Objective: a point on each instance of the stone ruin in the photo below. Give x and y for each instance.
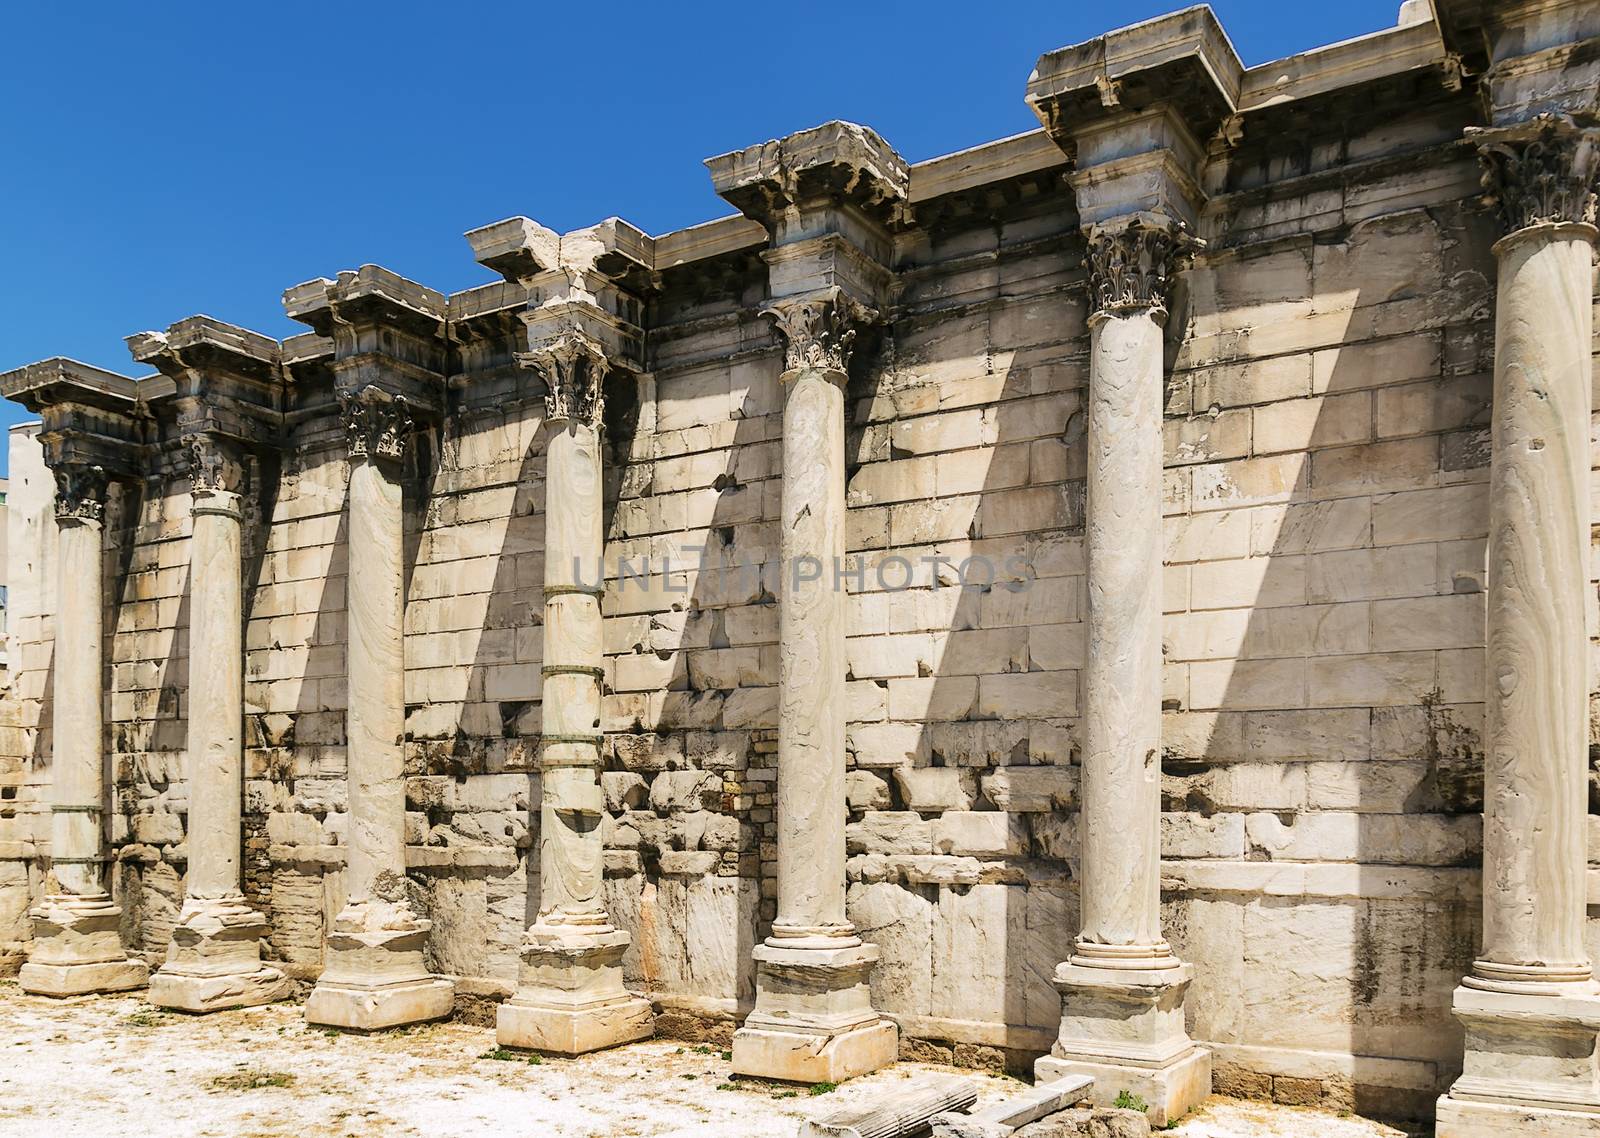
(1114, 601)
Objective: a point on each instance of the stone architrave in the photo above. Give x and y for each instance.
(77, 947)
(1531, 1005)
(571, 999)
(1122, 990)
(214, 959)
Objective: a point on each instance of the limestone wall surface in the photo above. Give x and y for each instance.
(1326, 511)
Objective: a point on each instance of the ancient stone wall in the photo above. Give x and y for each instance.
(1326, 459)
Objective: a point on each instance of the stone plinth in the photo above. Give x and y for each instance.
(214, 960)
(813, 1021)
(77, 949)
(570, 999)
(376, 976)
(1124, 1029)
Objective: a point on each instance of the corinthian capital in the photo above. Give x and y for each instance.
(1540, 172)
(214, 465)
(819, 329)
(377, 424)
(80, 492)
(574, 367)
(1131, 265)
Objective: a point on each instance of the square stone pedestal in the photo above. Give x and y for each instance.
(1125, 1029)
(571, 1000)
(813, 1021)
(214, 960)
(377, 979)
(1531, 1065)
(77, 949)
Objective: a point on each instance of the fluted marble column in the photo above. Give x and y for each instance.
(1530, 1005)
(375, 975)
(1123, 989)
(570, 999)
(214, 959)
(813, 1020)
(76, 944)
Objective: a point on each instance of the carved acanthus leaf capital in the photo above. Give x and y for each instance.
(1540, 172)
(1131, 266)
(377, 424)
(215, 465)
(819, 329)
(80, 492)
(574, 367)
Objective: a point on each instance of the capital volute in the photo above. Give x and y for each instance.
(377, 424)
(80, 492)
(819, 330)
(1132, 263)
(574, 368)
(1542, 172)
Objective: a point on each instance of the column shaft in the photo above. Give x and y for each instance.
(570, 997)
(376, 974)
(811, 663)
(376, 726)
(77, 784)
(214, 958)
(216, 699)
(570, 852)
(77, 945)
(1536, 755)
(1121, 789)
(1123, 990)
(813, 1020)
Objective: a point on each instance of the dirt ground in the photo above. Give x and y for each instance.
(112, 1065)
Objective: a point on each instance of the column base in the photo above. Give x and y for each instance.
(571, 1000)
(77, 949)
(813, 1021)
(214, 960)
(1460, 1119)
(1530, 1064)
(376, 977)
(1125, 1028)
(1168, 1092)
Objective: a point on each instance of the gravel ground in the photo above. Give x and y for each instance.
(112, 1065)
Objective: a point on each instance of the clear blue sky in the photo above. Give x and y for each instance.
(162, 159)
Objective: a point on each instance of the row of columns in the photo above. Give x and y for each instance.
(1530, 1004)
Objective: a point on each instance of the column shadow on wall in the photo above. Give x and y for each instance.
(971, 926)
(704, 636)
(496, 729)
(1324, 684)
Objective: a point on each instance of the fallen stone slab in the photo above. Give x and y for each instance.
(1099, 1122)
(901, 1112)
(1004, 1117)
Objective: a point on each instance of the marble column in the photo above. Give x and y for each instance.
(76, 946)
(1123, 989)
(376, 975)
(813, 1020)
(1530, 1005)
(214, 959)
(570, 998)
